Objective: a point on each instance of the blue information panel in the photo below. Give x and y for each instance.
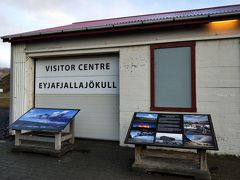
(44, 119)
(193, 131)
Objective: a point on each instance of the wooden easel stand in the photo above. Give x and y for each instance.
(172, 162)
(47, 137)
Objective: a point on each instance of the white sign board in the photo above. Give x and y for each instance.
(90, 75)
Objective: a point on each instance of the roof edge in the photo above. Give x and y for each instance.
(138, 23)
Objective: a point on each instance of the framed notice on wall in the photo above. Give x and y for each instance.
(194, 131)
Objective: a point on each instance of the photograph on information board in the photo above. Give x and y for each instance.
(137, 136)
(196, 125)
(169, 139)
(204, 141)
(144, 125)
(145, 117)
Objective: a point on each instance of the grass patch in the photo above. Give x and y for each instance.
(4, 100)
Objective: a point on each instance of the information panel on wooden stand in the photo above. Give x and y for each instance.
(44, 125)
(194, 131)
(44, 119)
(189, 131)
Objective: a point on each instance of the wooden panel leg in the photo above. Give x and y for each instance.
(58, 141)
(202, 159)
(17, 138)
(138, 151)
(72, 132)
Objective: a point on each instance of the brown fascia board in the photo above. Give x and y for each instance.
(128, 27)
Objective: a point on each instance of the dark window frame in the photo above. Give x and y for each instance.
(190, 44)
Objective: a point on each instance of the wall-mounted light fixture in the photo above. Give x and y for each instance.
(224, 25)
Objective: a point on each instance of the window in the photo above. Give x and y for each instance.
(173, 77)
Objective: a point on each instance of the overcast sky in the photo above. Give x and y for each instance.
(26, 15)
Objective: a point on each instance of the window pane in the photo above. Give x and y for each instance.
(173, 77)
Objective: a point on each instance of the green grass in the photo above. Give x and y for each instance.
(5, 94)
(4, 100)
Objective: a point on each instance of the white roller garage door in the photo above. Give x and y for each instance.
(88, 83)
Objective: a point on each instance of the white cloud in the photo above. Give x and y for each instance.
(4, 55)
(57, 17)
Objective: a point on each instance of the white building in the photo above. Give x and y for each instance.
(177, 62)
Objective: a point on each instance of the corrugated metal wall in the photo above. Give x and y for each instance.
(21, 82)
(99, 115)
(18, 81)
(98, 118)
